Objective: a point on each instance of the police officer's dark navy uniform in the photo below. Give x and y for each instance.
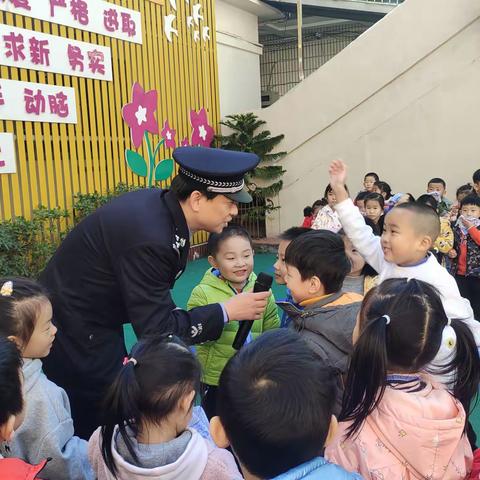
(118, 266)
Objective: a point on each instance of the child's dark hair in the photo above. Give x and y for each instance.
(429, 201)
(216, 239)
(407, 344)
(361, 196)
(372, 174)
(470, 200)
(476, 176)
(376, 197)
(467, 188)
(319, 203)
(148, 388)
(293, 232)
(20, 309)
(307, 211)
(320, 253)
(329, 189)
(275, 401)
(438, 180)
(11, 399)
(385, 188)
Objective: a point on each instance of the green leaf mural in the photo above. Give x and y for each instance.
(164, 169)
(136, 162)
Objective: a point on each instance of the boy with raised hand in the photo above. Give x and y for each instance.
(275, 406)
(402, 251)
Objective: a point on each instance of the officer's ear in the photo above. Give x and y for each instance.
(195, 199)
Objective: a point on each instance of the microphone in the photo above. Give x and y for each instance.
(262, 284)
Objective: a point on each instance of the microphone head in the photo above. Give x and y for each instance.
(265, 279)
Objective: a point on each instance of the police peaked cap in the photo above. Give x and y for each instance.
(216, 170)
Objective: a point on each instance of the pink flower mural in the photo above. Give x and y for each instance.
(168, 134)
(185, 142)
(203, 132)
(139, 114)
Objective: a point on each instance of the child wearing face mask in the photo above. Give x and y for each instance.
(230, 255)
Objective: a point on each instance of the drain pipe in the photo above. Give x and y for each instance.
(301, 74)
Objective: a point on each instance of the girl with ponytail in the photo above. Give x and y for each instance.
(147, 412)
(396, 422)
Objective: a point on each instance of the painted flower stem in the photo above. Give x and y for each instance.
(151, 161)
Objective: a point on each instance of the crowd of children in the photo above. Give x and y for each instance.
(368, 368)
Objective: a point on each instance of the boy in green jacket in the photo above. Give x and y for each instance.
(231, 257)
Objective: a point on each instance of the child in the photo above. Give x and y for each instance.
(309, 213)
(47, 430)
(466, 252)
(476, 181)
(374, 208)
(362, 277)
(11, 411)
(462, 192)
(384, 189)
(147, 411)
(317, 265)
(230, 254)
(360, 202)
(403, 250)
(396, 423)
(279, 266)
(369, 181)
(444, 204)
(327, 218)
(275, 405)
(444, 242)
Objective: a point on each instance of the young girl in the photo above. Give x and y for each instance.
(374, 208)
(47, 430)
(384, 189)
(362, 277)
(327, 217)
(147, 412)
(230, 255)
(395, 422)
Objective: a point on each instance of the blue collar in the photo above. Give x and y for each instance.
(421, 262)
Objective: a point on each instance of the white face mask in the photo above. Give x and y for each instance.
(475, 221)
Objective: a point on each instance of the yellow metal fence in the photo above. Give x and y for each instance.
(57, 161)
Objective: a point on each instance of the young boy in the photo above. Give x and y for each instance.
(11, 411)
(317, 265)
(476, 181)
(279, 266)
(275, 406)
(409, 233)
(230, 254)
(465, 253)
(444, 204)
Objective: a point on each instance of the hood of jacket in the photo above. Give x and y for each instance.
(430, 421)
(32, 371)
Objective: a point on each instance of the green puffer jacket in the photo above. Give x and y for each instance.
(214, 355)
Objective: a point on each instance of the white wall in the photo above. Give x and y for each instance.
(402, 100)
(238, 59)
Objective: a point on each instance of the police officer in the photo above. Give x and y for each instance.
(120, 263)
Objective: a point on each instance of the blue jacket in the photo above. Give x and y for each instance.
(318, 469)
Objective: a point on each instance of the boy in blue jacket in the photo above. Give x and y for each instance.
(275, 405)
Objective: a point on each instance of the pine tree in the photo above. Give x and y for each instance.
(265, 181)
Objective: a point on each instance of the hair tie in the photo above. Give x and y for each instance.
(128, 360)
(387, 319)
(7, 289)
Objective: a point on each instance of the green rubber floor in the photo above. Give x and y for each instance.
(263, 263)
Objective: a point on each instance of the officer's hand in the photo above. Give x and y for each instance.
(246, 306)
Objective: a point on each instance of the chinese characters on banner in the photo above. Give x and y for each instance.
(37, 102)
(96, 16)
(48, 53)
(7, 153)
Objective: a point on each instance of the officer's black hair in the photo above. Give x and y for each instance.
(470, 200)
(216, 239)
(438, 180)
(275, 401)
(11, 399)
(293, 232)
(320, 253)
(183, 188)
(20, 309)
(408, 344)
(147, 389)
